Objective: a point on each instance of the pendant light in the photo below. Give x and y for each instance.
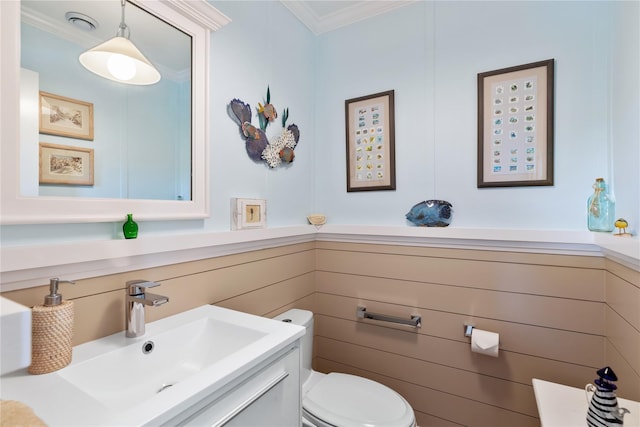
(118, 59)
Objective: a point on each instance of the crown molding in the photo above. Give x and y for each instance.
(357, 11)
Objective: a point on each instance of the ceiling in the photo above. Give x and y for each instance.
(163, 44)
(321, 16)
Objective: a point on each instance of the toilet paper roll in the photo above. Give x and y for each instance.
(485, 342)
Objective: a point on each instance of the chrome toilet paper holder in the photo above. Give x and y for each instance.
(468, 329)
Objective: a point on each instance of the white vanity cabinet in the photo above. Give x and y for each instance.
(210, 366)
(267, 395)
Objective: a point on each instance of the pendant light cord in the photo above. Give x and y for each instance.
(122, 28)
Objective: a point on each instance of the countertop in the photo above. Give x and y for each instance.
(59, 403)
(563, 406)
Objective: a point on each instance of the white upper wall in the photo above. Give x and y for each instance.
(430, 53)
(625, 109)
(263, 45)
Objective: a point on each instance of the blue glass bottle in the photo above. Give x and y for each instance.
(601, 208)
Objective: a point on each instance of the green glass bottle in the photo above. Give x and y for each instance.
(130, 228)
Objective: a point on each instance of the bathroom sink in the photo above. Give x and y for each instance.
(182, 362)
(124, 377)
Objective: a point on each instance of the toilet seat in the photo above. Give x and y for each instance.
(350, 401)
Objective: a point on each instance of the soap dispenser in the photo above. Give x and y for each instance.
(51, 331)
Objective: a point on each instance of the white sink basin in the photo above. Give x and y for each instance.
(127, 376)
(111, 381)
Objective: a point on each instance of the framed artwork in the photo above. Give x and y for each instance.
(61, 164)
(248, 213)
(515, 126)
(370, 128)
(65, 116)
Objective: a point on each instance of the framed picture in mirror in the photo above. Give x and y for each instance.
(62, 164)
(65, 116)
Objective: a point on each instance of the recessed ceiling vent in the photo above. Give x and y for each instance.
(81, 21)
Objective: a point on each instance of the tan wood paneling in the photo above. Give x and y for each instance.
(624, 337)
(99, 302)
(437, 404)
(556, 281)
(624, 298)
(227, 282)
(428, 420)
(625, 273)
(509, 365)
(553, 344)
(524, 308)
(628, 378)
(549, 311)
(218, 262)
(101, 284)
(623, 328)
(268, 299)
(554, 318)
(459, 382)
(97, 316)
(471, 254)
(306, 303)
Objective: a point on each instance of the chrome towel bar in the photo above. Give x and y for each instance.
(415, 321)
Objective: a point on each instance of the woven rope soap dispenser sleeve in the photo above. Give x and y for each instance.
(51, 337)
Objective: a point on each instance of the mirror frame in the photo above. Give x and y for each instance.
(197, 19)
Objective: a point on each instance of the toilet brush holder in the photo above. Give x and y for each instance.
(51, 337)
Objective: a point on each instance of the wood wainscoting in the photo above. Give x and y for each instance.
(622, 351)
(548, 309)
(263, 282)
(560, 317)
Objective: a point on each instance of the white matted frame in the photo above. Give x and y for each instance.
(248, 213)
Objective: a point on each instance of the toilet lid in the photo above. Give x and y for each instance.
(349, 401)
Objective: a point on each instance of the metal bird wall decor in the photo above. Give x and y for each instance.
(431, 213)
(280, 150)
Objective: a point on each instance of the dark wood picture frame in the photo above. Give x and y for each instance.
(516, 126)
(370, 137)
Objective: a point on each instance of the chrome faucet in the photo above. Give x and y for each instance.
(136, 299)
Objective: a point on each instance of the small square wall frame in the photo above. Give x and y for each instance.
(248, 213)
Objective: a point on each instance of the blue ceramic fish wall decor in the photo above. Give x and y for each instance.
(431, 213)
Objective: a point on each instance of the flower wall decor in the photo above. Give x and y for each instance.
(280, 150)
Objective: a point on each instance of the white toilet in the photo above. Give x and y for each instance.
(342, 400)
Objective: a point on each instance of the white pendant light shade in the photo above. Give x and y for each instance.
(120, 60)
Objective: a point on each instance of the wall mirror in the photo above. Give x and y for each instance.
(150, 143)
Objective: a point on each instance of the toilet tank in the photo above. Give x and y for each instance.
(302, 318)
